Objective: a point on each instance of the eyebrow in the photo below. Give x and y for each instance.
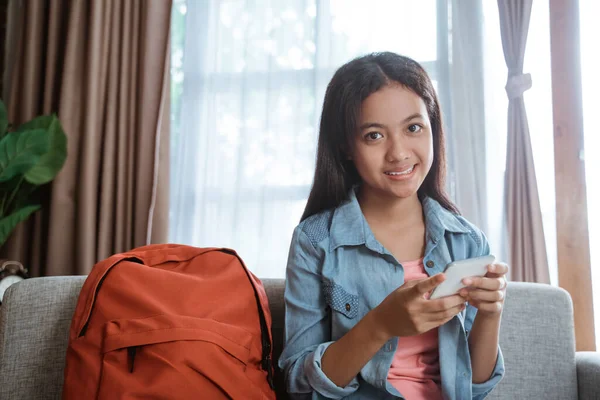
(377, 125)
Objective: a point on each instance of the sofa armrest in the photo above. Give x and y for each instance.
(34, 332)
(588, 374)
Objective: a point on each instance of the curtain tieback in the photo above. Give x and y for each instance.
(517, 85)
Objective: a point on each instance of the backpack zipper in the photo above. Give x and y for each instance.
(87, 322)
(266, 362)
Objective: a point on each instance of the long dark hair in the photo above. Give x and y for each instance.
(352, 83)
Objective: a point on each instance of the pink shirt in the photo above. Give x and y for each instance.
(415, 370)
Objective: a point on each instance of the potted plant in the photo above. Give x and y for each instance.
(30, 156)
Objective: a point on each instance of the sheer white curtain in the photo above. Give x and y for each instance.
(243, 154)
(467, 133)
(249, 79)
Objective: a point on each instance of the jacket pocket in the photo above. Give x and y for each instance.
(340, 300)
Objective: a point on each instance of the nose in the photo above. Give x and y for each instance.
(397, 150)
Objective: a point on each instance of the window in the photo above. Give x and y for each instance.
(590, 65)
(248, 83)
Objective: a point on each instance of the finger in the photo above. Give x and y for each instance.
(439, 322)
(497, 270)
(428, 284)
(484, 283)
(434, 324)
(445, 303)
(446, 314)
(486, 295)
(411, 283)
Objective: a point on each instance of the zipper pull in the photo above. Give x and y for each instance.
(131, 357)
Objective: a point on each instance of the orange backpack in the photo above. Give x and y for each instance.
(170, 322)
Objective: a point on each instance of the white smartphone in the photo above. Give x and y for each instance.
(456, 271)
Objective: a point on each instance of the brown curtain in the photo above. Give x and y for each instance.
(3, 22)
(528, 257)
(102, 66)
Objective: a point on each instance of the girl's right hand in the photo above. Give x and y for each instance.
(407, 312)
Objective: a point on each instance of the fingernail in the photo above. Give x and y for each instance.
(467, 281)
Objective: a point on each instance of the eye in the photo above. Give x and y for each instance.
(415, 128)
(373, 136)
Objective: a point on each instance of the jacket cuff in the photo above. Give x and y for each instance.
(320, 382)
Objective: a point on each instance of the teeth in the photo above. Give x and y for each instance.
(408, 171)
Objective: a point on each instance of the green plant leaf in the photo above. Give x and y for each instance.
(20, 151)
(3, 120)
(49, 165)
(10, 222)
(41, 122)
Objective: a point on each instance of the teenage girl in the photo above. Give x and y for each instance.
(377, 232)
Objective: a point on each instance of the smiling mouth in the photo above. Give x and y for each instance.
(405, 172)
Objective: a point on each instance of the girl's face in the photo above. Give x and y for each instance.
(393, 148)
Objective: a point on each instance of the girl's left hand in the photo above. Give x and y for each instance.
(487, 293)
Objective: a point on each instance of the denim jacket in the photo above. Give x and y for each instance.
(337, 272)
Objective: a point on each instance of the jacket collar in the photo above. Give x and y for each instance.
(350, 228)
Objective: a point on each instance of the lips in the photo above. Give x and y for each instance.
(401, 171)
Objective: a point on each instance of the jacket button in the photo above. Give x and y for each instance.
(348, 308)
(430, 264)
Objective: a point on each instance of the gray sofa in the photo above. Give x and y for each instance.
(536, 337)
